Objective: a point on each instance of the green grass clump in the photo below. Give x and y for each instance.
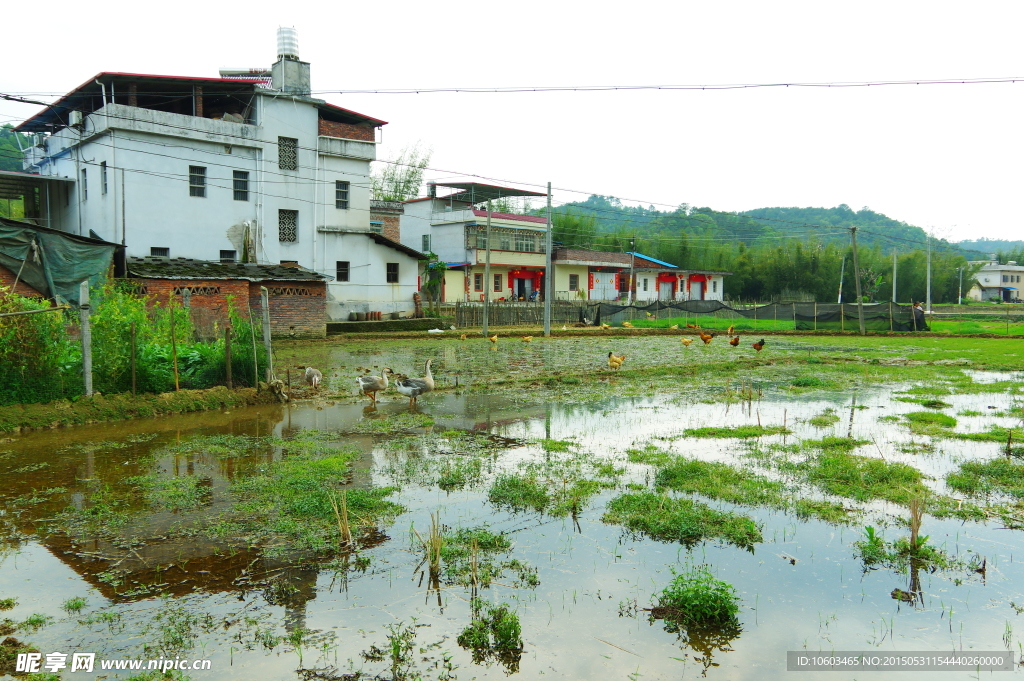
(829, 511)
(863, 478)
(695, 597)
(993, 434)
(834, 444)
(292, 497)
(457, 473)
(494, 632)
(930, 418)
(735, 431)
(555, 445)
(8, 603)
(807, 382)
(519, 492)
(173, 494)
(683, 520)
(469, 558)
(824, 419)
(982, 477)
(649, 455)
(874, 551)
(720, 481)
(74, 605)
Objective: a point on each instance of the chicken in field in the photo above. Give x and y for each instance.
(494, 338)
(627, 325)
(734, 341)
(462, 336)
(693, 326)
(686, 341)
(674, 326)
(564, 327)
(527, 339)
(729, 330)
(707, 337)
(313, 377)
(615, 361)
(758, 345)
(606, 326)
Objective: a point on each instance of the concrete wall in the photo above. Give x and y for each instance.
(367, 289)
(562, 273)
(454, 286)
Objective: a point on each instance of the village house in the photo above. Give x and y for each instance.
(997, 282)
(246, 168)
(454, 227)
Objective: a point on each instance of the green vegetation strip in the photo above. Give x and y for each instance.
(736, 431)
(684, 520)
(981, 477)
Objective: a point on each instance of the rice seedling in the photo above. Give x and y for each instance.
(433, 546)
(74, 605)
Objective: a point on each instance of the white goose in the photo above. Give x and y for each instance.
(313, 377)
(414, 387)
(369, 385)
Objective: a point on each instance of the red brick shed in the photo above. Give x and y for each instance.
(297, 296)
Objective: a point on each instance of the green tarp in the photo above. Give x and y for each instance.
(53, 262)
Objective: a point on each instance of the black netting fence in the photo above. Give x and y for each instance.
(805, 316)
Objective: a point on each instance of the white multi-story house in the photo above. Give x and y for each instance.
(997, 282)
(228, 169)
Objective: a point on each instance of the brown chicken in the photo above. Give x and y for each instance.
(758, 345)
(615, 361)
(692, 326)
(729, 330)
(706, 337)
(527, 339)
(734, 341)
(494, 338)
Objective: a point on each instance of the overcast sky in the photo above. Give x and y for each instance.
(944, 157)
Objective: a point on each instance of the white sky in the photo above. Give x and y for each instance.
(944, 157)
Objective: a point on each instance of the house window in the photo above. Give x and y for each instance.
(377, 227)
(341, 194)
(497, 283)
(287, 153)
(524, 242)
(1005, 278)
(478, 282)
(574, 282)
(426, 243)
(103, 176)
(481, 239)
(159, 252)
(228, 256)
(197, 181)
(392, 276)
(645, 283)
(85, 190)
(287, 225)
(506, 243)
(241, 185)
(714, 286)
(341, 271)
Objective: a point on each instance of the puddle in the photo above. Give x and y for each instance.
(177, 578)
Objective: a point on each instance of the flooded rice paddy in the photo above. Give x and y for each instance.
(526, 518)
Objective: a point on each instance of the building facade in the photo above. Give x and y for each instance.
(997, 282)
(216, 169)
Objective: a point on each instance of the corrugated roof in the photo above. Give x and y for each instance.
(512, 216)
(654, 260)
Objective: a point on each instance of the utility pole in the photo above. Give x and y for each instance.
(960, 289)
(928, 294)
(487, 268)
(86, 334)
(894, 275)
(632, 262)
(856, 279)
(549, 272)
(842, 273)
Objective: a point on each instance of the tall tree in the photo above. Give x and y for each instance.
(402, 178)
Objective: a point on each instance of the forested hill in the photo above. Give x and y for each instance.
(610, 216)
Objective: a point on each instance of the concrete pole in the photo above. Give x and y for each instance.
(928, 298)
(487, 269)
(894, 275)
(960, 289)
(83, 306)
(856, 279)
(549, 273)
(632, 261)
(265, 304)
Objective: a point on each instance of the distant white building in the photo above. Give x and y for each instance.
(997, 282)
(233, 169)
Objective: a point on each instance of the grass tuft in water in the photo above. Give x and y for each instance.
(736, 431)
(520, 492)
(824, 419)
(683, 520)
(695, 597)
(74, 605)
(494, 632)
(930, 418)
(863, 478)
(982, 477)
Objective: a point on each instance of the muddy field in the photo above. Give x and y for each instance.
(697, 512)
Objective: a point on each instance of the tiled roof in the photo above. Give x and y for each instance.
(187, 268)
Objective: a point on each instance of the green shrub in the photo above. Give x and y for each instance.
(695, 597)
